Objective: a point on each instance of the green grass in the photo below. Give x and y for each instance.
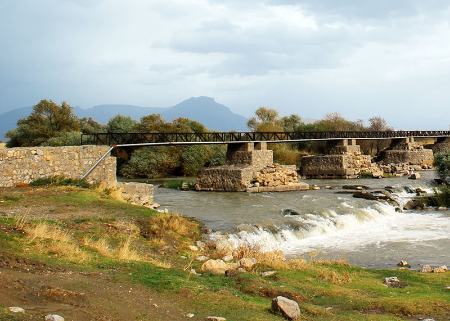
(243, 297)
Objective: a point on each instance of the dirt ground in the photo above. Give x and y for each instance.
(43, 290)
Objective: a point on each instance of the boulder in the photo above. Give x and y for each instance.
(16, 310)
(392, 282)
(440, 269)
(193, 248)
(227, 258)
(218, 267)
(356, 187)
(202, 258)
(53, 317)
(247, 263)
(414, 176)
(412, 205)
(215, 319)
(286, 307)
(403, 264)
(426, 269)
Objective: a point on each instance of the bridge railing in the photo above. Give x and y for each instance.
(226, 137)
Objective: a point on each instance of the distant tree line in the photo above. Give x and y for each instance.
(52, 124)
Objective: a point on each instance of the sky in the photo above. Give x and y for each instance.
(360, 58)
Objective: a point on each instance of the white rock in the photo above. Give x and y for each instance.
(268, 273)
(193, 248)
(215, 319)
(53, 317)
(190, 315)
(202, 258)
(286, 307)
(227, 258)
(16, 310)
(392, 282)
(217, 267)
(247, 263)
(440, 269)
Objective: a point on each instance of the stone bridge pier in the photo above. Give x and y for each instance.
(408, 151)
(344, 160)
(442, 145)
(249, 168)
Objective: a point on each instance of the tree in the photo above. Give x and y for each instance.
(442, 164)
(265, 119)
(121, 124)
(187, 125)
(90, 126)
(291, 123)
(378, 123)
(47, 120)
(153, 123)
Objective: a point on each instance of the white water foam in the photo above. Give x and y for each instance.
(373, 225)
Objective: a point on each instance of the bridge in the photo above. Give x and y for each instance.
(133, 139)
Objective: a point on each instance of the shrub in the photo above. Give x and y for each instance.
(442, 164)
(150, 162)
(65, 139)
(60, 181)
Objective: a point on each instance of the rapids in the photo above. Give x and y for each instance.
(324, 223)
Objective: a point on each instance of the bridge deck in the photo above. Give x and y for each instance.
(236, 137)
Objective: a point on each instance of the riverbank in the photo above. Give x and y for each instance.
(83, 255)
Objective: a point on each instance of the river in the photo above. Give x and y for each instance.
(327, 224)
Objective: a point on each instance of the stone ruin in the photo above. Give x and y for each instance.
(406, 156)
(345, 160)
(250, 168)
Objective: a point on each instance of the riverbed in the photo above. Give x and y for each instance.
(325, 223)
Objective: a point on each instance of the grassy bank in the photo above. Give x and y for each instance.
(81, 254)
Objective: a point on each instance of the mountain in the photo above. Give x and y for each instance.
(206, 110)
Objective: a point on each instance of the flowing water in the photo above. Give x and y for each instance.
(325, 223)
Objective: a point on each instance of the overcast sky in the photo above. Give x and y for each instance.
(311, 57)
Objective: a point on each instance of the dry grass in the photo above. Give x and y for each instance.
(162, 225)
(334, 277)
(273, 259)
(101, 246)
(126, 253)
(126, 227)
(44, 231)
(21, 221)
(54, 240)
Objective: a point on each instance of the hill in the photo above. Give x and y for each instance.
(206, 110)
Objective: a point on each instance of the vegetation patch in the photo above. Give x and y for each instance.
(60, 181)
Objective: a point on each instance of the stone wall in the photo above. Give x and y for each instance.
(442, 146)
(227, 178)
(420, 157)
(24, 164)
(137, 193)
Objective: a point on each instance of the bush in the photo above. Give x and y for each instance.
(151, 162)
(60, 181)
(194, 158)
(442, 164)
(286, 155)
(65, 139)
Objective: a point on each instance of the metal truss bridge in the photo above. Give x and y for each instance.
(136, 139)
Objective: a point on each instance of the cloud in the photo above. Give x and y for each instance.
(312, 56)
